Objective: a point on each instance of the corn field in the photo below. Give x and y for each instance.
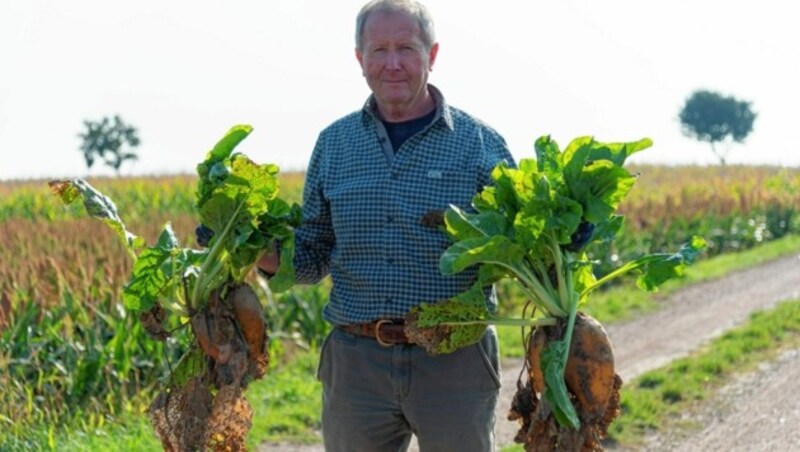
(69, 351)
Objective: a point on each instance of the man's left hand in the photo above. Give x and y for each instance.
(203, 235)
(580, 237)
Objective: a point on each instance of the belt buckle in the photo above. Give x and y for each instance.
(378, 325)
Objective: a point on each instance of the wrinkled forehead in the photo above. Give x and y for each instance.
(390, 25)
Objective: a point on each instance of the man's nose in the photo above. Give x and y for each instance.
(393, 60)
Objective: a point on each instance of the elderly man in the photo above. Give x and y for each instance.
(372, 176)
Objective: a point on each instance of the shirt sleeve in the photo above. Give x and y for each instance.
(495, 150)
(314, 237)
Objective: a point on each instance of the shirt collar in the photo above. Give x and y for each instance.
(442, 109)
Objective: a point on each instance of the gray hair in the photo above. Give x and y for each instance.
(412, 8)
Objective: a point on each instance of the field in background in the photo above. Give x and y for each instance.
(69, 352)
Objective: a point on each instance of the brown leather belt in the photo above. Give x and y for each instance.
(386, 332)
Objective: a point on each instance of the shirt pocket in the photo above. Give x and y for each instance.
(442, 188)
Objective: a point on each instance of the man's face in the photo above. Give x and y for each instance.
(394, 59)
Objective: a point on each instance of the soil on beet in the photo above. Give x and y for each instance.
(596, 400)
(209, 411)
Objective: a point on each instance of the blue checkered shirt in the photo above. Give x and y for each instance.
(362, 205)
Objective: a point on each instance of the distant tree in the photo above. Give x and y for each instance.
(709, 116)
(111, 141)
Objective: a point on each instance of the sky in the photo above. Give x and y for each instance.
(184, 72)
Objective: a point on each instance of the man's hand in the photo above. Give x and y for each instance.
(432, 219)
(580, 237)
(203, 234)
(269, 263)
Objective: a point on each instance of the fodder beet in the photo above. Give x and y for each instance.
(591, 381)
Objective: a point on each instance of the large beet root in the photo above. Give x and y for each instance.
(209, 411)
(205, 329)
(591, 381)
(590, 368)
(250, 315)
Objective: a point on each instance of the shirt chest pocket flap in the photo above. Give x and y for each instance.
(440, 188)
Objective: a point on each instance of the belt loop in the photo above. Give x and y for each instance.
(378, 325)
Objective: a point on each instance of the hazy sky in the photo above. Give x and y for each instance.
(183, 72)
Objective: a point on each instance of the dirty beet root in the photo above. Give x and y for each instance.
(209, 411)
(592, 384)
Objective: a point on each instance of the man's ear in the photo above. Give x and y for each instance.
(432, 54)
(360, 59)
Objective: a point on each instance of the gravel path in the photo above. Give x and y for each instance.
(687, 319)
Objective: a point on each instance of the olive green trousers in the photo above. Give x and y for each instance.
(376, 397)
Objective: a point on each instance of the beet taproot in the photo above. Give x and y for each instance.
(205, 330)
(591, 382)
(250, 316)
(590, 367)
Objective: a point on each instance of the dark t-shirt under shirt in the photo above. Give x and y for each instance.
(399, 132)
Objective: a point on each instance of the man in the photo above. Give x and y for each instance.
(372, 177)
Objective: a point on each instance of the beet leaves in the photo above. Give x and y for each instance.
(522, 228)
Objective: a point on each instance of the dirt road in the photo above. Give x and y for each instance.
(756, 412)
(687, 319)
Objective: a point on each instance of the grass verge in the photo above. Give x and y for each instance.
(89, 432)
(287, 403)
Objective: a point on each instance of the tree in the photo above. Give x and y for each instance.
(709, 116)
(112, 142)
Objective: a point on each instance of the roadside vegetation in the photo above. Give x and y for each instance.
(71, 358)
(657, 398)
